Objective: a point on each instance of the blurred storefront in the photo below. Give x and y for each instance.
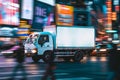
(9, 21)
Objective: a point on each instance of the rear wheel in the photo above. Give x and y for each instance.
(78, 56)
(48, 56)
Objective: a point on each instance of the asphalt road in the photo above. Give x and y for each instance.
(90, 68)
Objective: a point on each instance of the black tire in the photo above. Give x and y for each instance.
(78, 56)
(35, 58)
(48, 56)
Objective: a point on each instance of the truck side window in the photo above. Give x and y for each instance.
(42, 39)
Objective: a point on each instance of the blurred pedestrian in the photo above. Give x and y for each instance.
(114, 63)
(49, 73)
(19, 59)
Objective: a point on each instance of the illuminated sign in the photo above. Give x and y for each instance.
(9, 12)
(109, 15)
(116, 2)
(64, 15)
(114, 15)
(8, 32)
(40, 12)
(117, 8)
(43, 15)
(24, 29)
(50, 2)
(27, 9)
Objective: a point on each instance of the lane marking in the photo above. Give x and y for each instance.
(1, 78)
(80, 78)
(13, 64)
(32, 72)
(29, 76)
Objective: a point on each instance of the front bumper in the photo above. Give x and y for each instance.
(30, 53)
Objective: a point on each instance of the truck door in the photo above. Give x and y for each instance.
(45, 43)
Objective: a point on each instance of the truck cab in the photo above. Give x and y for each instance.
(39, 47)
(29, 46)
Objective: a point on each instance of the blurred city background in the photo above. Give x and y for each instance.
(81, 32)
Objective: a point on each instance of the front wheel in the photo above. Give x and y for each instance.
(35, 58)
(48, 56)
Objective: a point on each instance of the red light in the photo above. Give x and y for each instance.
(117, 8)
(108, 2)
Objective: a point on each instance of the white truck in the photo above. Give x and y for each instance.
(66, 42)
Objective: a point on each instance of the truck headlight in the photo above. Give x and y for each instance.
(95, 50)
(34, 51)
(25, 51)
(103, 49)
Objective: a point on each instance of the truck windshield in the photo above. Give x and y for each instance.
(32, 38)
(29, 39)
